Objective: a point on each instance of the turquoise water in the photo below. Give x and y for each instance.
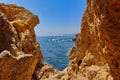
(55, 50)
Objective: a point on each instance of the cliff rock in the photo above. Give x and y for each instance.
(97, 49)
(96, 54)
(19, 50)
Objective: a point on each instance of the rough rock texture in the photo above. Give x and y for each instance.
(46, 72)
(98, 44)
(19, 51)
(96, 54)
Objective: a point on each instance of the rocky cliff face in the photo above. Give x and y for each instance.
(98, 44)
(19, 51)
(96, 54)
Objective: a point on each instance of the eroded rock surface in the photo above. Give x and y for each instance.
(96, 54)
(99, 42)
(19, 51)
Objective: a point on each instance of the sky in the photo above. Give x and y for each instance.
(57, 17)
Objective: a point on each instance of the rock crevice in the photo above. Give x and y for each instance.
(95, 56)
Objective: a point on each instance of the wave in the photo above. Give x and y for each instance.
(59, 40)
(53, 40)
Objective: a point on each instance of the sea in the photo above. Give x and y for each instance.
(55, 50)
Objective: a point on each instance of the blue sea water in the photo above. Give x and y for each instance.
(55, 50)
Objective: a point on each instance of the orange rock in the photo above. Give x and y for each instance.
(96, 54)
(19, 50)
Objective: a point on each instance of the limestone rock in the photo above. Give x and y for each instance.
(98, 43)
(45, 71)
(19, 50)
(96, 54)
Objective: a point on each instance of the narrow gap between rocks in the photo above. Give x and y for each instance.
(55, 50)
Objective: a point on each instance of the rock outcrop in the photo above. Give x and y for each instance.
(19, 51)
(96, 54)
(98, 45)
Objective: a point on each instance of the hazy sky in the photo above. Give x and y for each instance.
(57, 17)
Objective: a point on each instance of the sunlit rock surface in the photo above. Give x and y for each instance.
(96, 54)
(98, 44)
(19, 51)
